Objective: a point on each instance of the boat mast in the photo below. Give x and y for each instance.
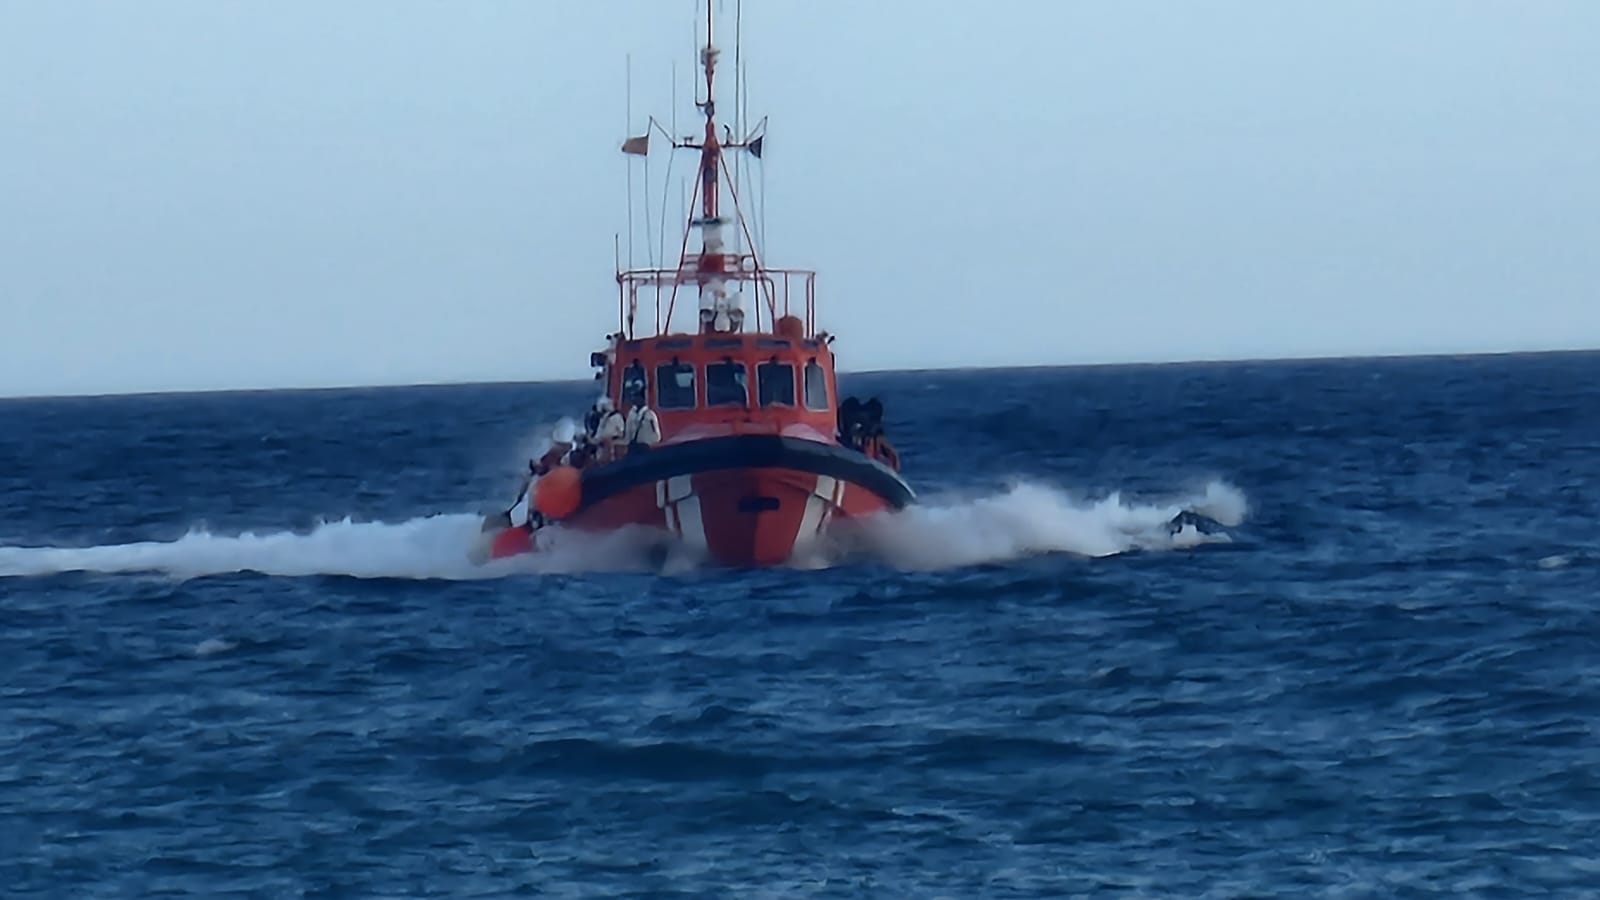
(717, 271)
(719, 310)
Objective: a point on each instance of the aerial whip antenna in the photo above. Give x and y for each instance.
(627, 130)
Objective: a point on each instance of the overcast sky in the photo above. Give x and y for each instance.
(200, 195)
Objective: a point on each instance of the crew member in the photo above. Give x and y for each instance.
(877, 447)
(561, 443)
(643, 428)
(582, 453)
(877, 442)
(850, 423)
(606, 433)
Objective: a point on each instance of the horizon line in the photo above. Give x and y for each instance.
(1471, 354)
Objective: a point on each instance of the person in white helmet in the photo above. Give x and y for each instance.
(605, 431)
(562, 439)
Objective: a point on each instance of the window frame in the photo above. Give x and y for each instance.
(761, 381)
(822, 375)
(674, 367)
(738, 365)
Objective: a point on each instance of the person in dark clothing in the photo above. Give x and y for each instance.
(850, 423)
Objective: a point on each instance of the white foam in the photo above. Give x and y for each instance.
(418, 548)
(1030, 519)
(213, 646)
(1220, 502)
(428, 547)
(1026, 519)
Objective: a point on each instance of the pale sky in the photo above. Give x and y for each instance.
(199, 195)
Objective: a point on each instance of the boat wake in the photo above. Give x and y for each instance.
(1028, 519)
(419, 548)
(1031, 519)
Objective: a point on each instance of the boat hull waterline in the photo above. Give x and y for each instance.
(742, 501)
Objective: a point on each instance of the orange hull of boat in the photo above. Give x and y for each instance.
(738, 517)
(510, 542)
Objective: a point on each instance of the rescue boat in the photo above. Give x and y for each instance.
(758, 456)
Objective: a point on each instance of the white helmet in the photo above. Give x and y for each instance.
(604, 403)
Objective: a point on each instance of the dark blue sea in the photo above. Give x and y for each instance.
(243, 653)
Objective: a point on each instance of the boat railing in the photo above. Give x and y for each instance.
(780, 292)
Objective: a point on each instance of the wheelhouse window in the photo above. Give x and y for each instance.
(816, 386)
(675, 385)
(775, 383)
(726, 384)
(634, 388)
